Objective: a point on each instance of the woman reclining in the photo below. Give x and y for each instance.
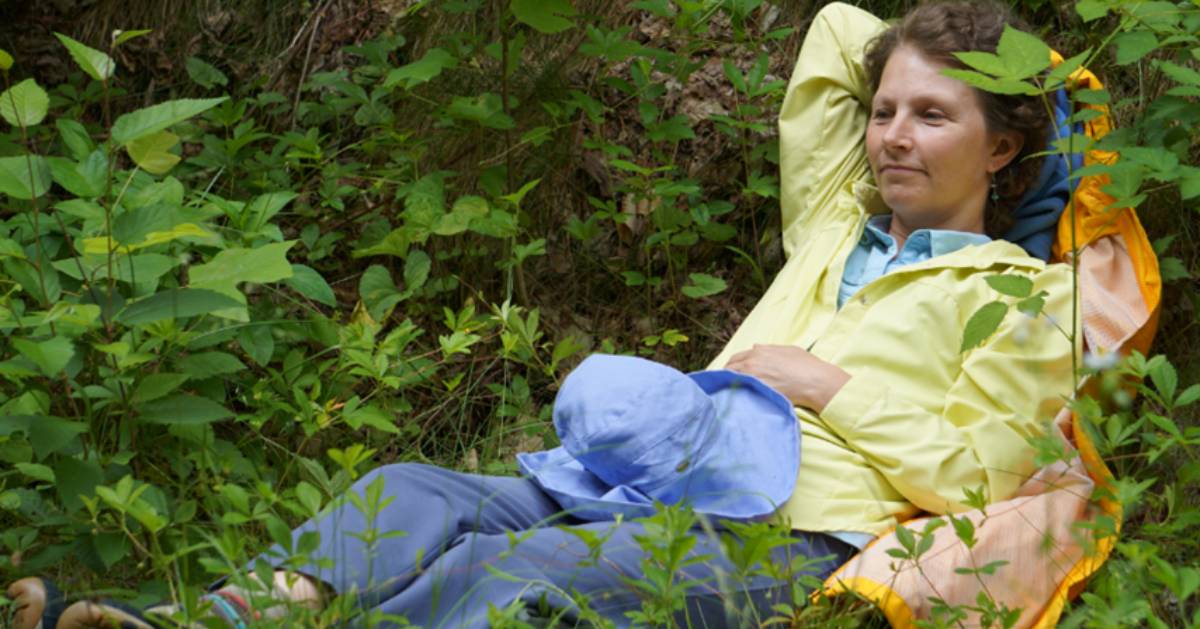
(898, 185)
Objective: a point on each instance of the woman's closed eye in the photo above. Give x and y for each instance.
(933, 115)
(880, 113)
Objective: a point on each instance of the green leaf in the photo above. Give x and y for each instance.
(51, 356)
(1133, 45)
(983, 324)
(1011, 285)
(986, 62)
(263, 208)
(152, 152)
(143, 122)
(120, 37)
(204, 74)
(175, 303)
(422, 70)
(76, 137)
(231, 267)
(1091, 10)
(6, 60)
(416, 270)
(208, 364)
(24, 104)
(1179, 73)
(673, 129)
(76, 478)
(703, 285)
(1033, 306)
(1165, 379)
(183, 409)
(378, 291)
(989, 84)
(306, 281)
(1024, 55)
(546, 16)
(96, 64)
(46, 434)
(485, 109)
(258, 342)
(1189, 396)
(17, 180)
(36, 471)
(156, 385)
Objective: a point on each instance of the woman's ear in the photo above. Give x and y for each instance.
(1005, 147)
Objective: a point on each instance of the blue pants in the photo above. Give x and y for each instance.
(442, 531)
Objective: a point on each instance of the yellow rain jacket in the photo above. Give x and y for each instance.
(919, 421)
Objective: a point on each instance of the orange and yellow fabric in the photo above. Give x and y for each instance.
(869, 462)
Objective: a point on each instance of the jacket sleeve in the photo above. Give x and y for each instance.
(1007, 391)
(823, 119)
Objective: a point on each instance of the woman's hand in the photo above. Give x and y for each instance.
(801, 377)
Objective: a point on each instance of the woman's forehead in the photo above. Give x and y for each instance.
(910, 74)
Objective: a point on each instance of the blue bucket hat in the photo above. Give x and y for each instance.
(635, 431)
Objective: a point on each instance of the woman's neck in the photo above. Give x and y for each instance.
(900, 230)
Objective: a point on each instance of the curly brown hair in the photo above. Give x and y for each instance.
(940, 29)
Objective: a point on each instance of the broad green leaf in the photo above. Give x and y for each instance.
(416, 270)
(986, 62)
(258, 342)
(673, 129)
(66, 173)
(175, 303)
(75, 136)
(308, 282)
(422, 70)
(183, 409)
(51, 356)
(120, 36)
(204, 74)
(546, 16)
(983, 324)
(1133, 45)
(208, 364)
(378, 291)
(156, 385)
(152, 152)
(24, 104)
(103, 245)
(76, 478)
(263, 208)
(1091, 10)
(155, 118)
(989, 84)
(24, 176)
(703, 285)
(96, 64)
(46, 434)
(36, 471)
(1011, 285)
(485, 109)
(1033, 306)
(1165, 379)
(1023, 55)
(231, 267)
(6, 60)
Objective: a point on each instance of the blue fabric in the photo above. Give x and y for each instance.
(635, 432)
(446, 536)
(1037, 214)
(876, 255)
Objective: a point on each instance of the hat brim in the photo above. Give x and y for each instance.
(747, 469)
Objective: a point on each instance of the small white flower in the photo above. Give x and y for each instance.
(1101, 360)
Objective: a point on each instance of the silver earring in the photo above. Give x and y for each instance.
(995, 196)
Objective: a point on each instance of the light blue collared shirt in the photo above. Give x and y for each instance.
(876, 254)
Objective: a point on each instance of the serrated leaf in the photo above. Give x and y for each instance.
(982, 324)
(546, 16)
(1133, 45)
(96, 64)
(989, 84)
(148, 120)
(422, 70)
(1023, 55)
(204, 74)
(703, 285)
(24, 104)
(1179, 73)
(1011, 285)
(17, 180)
(175, 303)
(416, 270)
(308, 282)
(152, 152)
(183, 409)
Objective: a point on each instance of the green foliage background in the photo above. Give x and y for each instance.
(322, 237)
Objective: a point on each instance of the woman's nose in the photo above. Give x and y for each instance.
(898, 134)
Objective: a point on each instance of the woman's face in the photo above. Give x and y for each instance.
(929, 147)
